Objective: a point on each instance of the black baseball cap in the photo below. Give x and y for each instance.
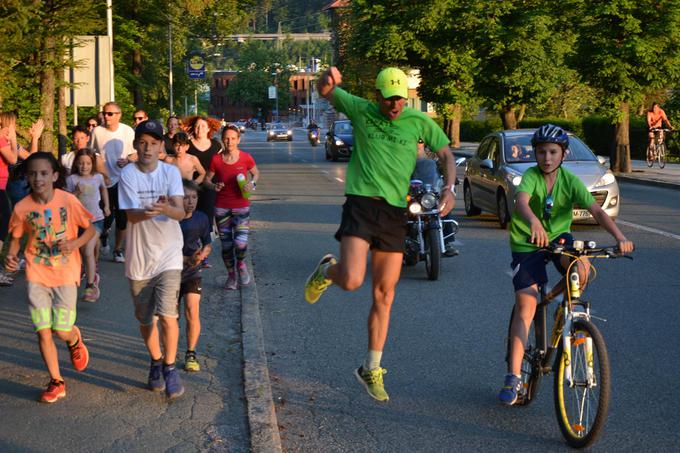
(151, 127)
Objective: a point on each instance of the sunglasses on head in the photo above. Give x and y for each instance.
(110, 113)
(547, 210)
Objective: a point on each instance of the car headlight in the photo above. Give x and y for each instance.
(271, 132)
(415, 208)
(289, 132)
(339, 142)
(606, 179)
(428, 201)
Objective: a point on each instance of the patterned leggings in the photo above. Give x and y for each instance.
(233, 226)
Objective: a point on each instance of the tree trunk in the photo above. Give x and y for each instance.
(620, 150)
(47, 87)
(137, 73)
(61, 113)
(454, 125)
(508, 118)
(522, 112)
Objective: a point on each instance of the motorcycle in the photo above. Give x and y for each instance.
(314, 137)
(425, 239)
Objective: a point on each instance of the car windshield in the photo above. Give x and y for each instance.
(343, 128)
(518, 149)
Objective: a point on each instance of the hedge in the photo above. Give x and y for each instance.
(596, 131)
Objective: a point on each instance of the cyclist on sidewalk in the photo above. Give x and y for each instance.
(374, 215)
(543, 214)
(51, 218)
(655, 119)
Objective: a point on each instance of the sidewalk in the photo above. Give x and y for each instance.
(668, 177)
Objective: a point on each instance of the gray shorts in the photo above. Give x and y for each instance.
(156, 296)
(52, 308)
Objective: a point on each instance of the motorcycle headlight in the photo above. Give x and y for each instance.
(339, 142)
(606, 179)
(428, 201)
(415, 208)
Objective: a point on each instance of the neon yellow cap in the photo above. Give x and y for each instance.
(392, 82)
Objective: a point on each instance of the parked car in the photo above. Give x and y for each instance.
(339, 140)
(279, 131)
(241, 124)
(494, 172)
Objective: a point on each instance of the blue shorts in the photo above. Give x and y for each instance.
(528, 268)
(99, 226)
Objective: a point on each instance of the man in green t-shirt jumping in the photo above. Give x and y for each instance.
(386, 135)
(543, 213)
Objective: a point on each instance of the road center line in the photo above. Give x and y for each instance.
(648, 229)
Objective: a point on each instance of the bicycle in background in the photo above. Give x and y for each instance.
(658, 150)
(581, 362)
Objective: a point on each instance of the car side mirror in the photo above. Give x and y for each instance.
(486, 163)
(602, 160)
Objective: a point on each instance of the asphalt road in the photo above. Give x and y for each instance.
(446, 345)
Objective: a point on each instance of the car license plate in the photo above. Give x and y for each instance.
(580, 214)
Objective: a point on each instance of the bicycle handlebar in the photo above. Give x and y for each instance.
(654, 129)
(585, 248)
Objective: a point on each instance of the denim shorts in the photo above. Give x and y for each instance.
(528, 268)
(99, 226)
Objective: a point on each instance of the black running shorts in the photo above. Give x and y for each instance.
(374, 220)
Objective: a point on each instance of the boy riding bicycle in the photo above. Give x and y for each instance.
(655, 119)
(543, 214)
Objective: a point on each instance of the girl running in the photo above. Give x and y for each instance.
(51, 218)
(232, 208)
(88, 185)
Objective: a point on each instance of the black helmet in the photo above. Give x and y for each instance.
(549, 133)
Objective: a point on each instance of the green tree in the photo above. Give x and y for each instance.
(625, 50)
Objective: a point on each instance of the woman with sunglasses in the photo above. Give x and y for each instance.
(543, 213)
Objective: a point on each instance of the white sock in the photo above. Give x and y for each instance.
(372, 360)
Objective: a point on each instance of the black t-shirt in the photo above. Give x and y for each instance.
(196, 234)
(204, 157)
(169, 149)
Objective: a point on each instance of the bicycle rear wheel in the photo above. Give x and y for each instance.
(530, 371)
(661, 155)
(650, 157)
(582, 385)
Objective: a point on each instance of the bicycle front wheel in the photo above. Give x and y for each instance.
(582, 385)
(661, 155)
(650, 157)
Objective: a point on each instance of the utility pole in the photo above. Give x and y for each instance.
(171, 101)
(109, 32)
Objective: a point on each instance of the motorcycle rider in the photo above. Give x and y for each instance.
(427, 171)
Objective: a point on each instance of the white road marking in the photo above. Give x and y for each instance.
(339, 179)
(648, 229)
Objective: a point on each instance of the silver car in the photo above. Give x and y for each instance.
(494, 172)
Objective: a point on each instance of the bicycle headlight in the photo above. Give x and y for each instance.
(606, 179)
(415, 208)
(428, 201)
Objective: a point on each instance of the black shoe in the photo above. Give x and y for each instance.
(450, 250)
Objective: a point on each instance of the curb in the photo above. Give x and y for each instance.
(647, 182)
(264, 430)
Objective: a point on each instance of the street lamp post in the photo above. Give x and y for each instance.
(171, 100)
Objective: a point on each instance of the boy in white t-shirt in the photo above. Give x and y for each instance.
(151, 193)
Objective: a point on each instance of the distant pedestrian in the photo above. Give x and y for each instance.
(138, 117)
(173, 127)
(201, 130)
(8, 156)
(151, 194)
(92, 122)
(113, 142)
(232, 207)
(51, 218)
(88, 185)
(196, 232)
(189, 166)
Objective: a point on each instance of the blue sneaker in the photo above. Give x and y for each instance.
(155, 376)
(510, 391)
(173, 384)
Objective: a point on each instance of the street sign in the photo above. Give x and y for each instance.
(272, 92)
(196, 66)
(90, 77)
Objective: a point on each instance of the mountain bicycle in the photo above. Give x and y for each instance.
(581, 362)
(659, 148)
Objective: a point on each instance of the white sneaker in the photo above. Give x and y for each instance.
(118, 256)
(105, 250)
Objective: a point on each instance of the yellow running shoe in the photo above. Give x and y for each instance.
(190, 362)
(317, 282)
(372, 380)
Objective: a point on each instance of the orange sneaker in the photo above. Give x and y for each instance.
(79, 355)
(55, 390)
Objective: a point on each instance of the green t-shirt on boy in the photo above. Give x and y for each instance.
(384, 153)
(568, 191)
